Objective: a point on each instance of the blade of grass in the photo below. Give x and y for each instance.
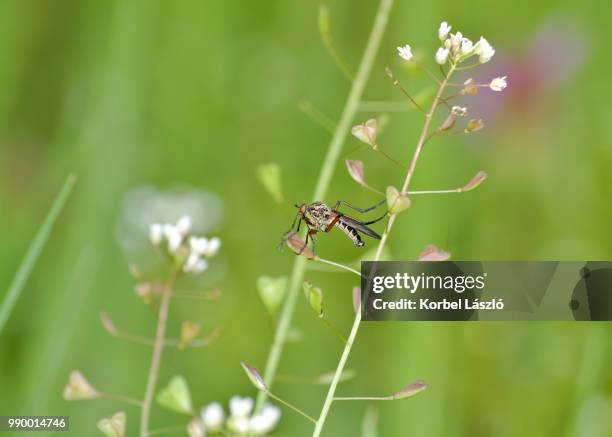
(31, 256)
(327, 170)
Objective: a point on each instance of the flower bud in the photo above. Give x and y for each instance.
(213, 416)
(443, 31)
(240, 407)
(196, 428)
(405, 52)
(498, 84)
(460, 111)
(156, 233)
(442, 56)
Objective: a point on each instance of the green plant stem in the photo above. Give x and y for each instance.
(327, 171)
(365, 398)
(293, 407)
(454, 190)
(355, 328)
(335, 264)
(31, 256)
(158, 346)
(121, 398)
(335, 330)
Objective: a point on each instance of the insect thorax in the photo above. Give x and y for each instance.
(320, 215)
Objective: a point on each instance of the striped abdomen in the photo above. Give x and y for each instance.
(350, 232)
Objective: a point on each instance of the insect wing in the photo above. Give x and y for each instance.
(359, 226)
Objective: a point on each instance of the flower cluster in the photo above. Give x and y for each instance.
(240, 422)
(455, 49)
(188, 251)
(459, 48)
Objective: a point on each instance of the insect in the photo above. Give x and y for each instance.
(321, 218)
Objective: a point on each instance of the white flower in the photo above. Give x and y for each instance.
(498, 84)
(198, 245)
(240, 407)
(196, 428)
(266, 420)
(213, 247)
(156, 233)
(441, 55)
(174, 237)
(466, 46)
(195, 264)
(484, 50)
(239, 425)
(460, 111)
(213, 416)
(184, 225)
(443, 30)
(456, 40)
(405, 52)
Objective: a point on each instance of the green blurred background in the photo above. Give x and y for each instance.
(189, 96)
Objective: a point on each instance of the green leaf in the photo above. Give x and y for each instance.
(176, 396)
(272, 291)
(314, 296)
(36, 247)
(270, 177)
(396, 201)
(113, 426)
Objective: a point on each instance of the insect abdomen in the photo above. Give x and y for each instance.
(351, 233)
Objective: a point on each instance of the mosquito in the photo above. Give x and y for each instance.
(321, 218)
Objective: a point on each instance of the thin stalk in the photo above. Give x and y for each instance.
(335, 264)
(317, 116)
(293, 407)
(355, 328)
(121, 398)
(168, 430)
(327, 171)
(158, 347)
(377, 148)
(335, 330)
(454, 190)
(364, 398)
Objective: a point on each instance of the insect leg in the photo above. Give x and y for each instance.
(356, 208)
(378, 219)
(286, 234)
(305, 244)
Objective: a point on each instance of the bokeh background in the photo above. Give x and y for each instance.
(163, 107)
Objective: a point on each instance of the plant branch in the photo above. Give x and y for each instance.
(158, 347)
(355, 328)
(121, 398)
(335, 264)
(327, 170)
(293, 407)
